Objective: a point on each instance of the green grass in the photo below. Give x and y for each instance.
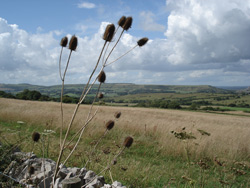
(236, 109)
(145, 164)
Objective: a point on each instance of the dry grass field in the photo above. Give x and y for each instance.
(229, 133)
(156, 159)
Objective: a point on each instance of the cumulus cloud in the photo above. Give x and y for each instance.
(208, 31)
(207, 42)
(86, 5)
(148, 22)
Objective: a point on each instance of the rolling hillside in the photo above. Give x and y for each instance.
(113, 89)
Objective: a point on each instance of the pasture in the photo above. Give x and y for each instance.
(157, 157)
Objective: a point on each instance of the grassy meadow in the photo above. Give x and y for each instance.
(218, 155)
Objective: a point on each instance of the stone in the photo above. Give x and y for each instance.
(48, 181)
(95, 184)
(57, 183)
(63, 173)
(69, 175)
(89, 176)
(75, 171)
(117, 184)
(106, 186)
(72, 183)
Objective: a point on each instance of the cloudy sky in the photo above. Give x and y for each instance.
(192, 42)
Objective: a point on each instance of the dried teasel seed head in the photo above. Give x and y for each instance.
(64, 41)
(110, 124)
(109, 32)
(117, 115)
(128, 141)
(73, 43)
(31, 170)
(35, 136)
(114, 161)
(100, 95)
(127, 23)
(142, 41)
(122, 21)
(102, 77)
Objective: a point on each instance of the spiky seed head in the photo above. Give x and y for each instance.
(100, 95)
(73, 43)
(114, 161)
(122, 21)
(35, 136)
(142, 41)
(110, 124)
(109, 32)
(127, 24)
(31, 170)
(102, 77)
(64, 41)
(128, 141)
(117, 115)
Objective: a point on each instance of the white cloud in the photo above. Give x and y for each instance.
(209, 31)
(148, 22)
(86, 5)
(207, 42)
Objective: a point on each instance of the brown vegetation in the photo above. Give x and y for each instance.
(229, 134)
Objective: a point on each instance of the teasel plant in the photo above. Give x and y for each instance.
(125, 24)
(127, 143)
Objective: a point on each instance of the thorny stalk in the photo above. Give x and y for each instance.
(74, 114)
(104, 55)
(106, 168)
(113, 48)
(121, 56)
(93, 150)
(61, 105)
(79, 138)
(108, 35)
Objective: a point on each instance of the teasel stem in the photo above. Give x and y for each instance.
(43, 142)
(93, 150)
(113, 47)
(62, 89)
(85, 88)
(108, 46)
(82, 97)
(81, 128)
(111, 176)
(106, 168)
(121, 56)
(60, 58)
(79, 138)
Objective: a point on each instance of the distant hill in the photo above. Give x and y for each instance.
(114, 89)
(233, 88)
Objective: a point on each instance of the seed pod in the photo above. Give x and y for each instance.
(109, 32)
(35, 136)
(100, 95)
(102, 77)
(31, 170)
(110, 124)
(127, 23)
(117, 115)
(73, 43)
(64, 41)
(128, 141)
(114, 162)
(122, 21)
(142, 41)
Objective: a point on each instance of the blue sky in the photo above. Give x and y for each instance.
(192, 42)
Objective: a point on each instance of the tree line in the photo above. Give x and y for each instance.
(37, 96)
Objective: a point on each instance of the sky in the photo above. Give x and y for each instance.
(191, 42)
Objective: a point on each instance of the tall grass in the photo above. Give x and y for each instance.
(229, 134)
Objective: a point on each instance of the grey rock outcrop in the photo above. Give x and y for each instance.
(28, 169)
